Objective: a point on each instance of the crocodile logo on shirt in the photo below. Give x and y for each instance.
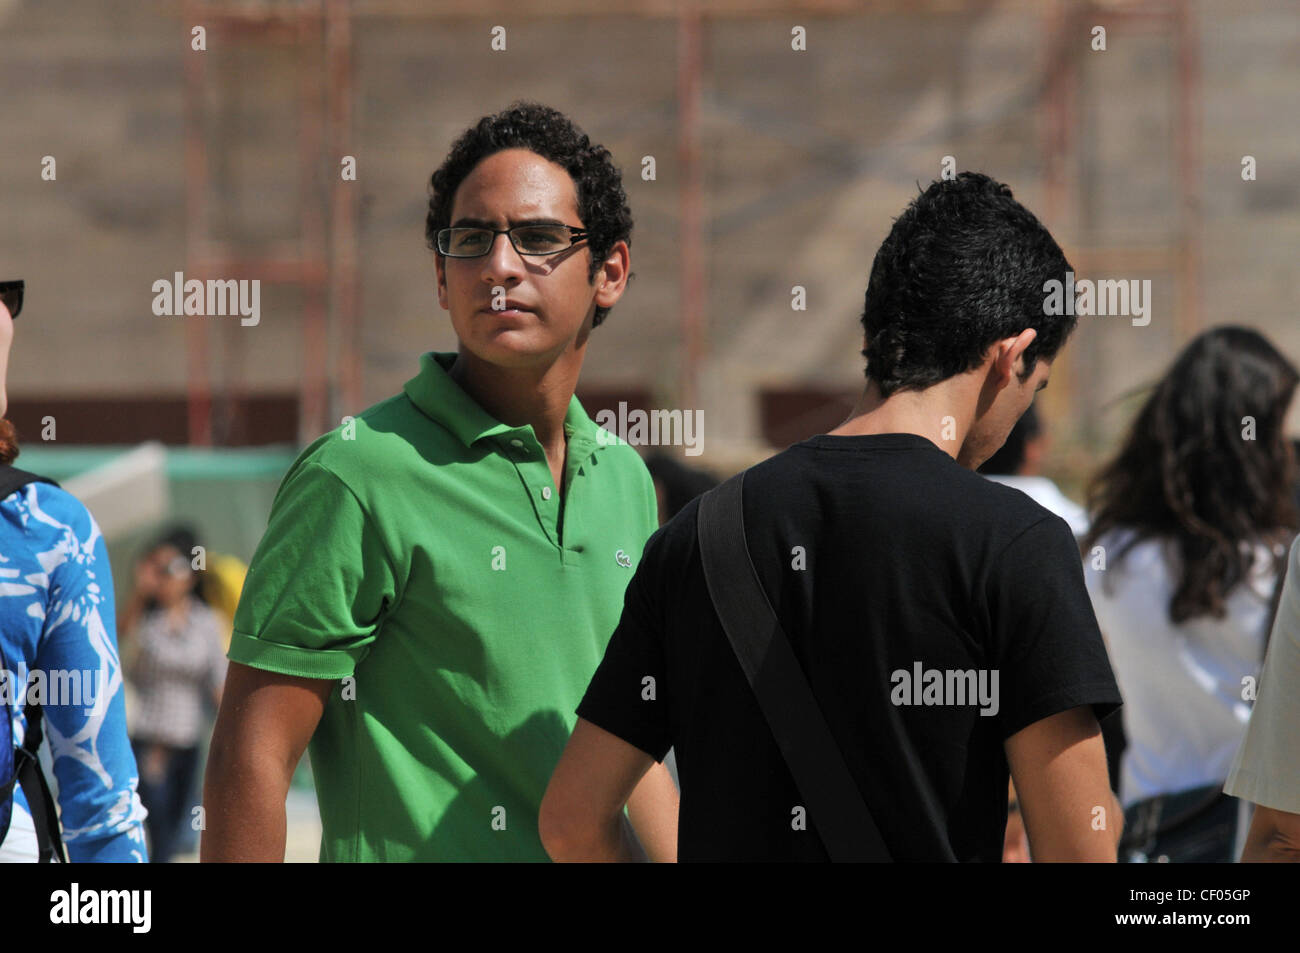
(623, 559)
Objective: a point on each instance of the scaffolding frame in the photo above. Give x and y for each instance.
(1066, 27)
(325, 265)
(322, 260)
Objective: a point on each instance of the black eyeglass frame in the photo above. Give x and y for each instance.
(575, 235)
(11, 293)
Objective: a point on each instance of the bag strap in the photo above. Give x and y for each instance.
(27, 769)
(835, 804)
(11, 478)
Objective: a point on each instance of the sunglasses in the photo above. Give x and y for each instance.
(11, 293)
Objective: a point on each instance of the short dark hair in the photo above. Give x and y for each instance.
(964, 266)
(602, 203)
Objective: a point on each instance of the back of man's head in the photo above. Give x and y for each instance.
(964, 266)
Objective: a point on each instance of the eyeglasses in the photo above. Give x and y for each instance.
(11, 293)
(529, 240)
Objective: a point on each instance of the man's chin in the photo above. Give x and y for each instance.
(512, 349)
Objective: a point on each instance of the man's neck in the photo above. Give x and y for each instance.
(941, 414)
(538, 396)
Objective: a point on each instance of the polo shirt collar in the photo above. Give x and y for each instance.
(440, 398)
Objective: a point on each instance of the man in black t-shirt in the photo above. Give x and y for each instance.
(941, 619)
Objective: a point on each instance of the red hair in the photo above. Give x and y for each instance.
(8, 442)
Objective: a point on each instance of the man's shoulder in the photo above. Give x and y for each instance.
(1012, 508)
(934, 487)
(52, 500)
(378, 444)
(49, 511)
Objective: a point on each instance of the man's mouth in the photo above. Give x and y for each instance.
(512, 309)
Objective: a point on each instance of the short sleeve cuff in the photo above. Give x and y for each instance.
(294, 659)
(1102, 696)
(636, 737)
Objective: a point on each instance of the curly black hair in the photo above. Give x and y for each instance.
(602, 203)
(963, 266)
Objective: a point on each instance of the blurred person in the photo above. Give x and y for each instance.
(881, 552)
(1266, 771)
(176, 666)
(438, 580)
(56, 619)
(1295, 491)
(676, 484)
(1018, 464)
(1015, 845)
(1191, 520)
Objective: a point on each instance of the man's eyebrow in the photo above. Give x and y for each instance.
(470, 222)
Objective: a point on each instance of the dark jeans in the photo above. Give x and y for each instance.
(1191, 827)
(165, 793)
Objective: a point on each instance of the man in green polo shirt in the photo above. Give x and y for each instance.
(440, 575)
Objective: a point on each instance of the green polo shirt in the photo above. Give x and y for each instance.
(416, 554)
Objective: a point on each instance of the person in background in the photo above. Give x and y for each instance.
(56, 615)
(177, 667)
(676, 484)
(1018, 463)
(1015, 843)
(1191, 521)
(1295, 489)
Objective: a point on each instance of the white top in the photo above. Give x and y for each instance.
(1184, 714)
(1049, 496)
(20, 844)
(1267, 769)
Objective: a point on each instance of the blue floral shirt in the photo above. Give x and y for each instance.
(58, 628)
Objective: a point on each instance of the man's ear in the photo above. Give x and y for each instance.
(611, 278)
(440, 272)
(1007, 356)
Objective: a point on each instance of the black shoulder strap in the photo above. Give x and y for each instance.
(11, 478)
(27, 769)
(835, 805)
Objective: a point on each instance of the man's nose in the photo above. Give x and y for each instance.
(502, 261)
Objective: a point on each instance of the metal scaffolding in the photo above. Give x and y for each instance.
(1066, 28)
(323, 261)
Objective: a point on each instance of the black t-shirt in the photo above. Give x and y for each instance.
(886, 561)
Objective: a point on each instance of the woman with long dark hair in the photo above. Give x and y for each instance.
(1191, 525)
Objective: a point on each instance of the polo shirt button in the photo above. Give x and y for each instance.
(546, 492)
(516, 443)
